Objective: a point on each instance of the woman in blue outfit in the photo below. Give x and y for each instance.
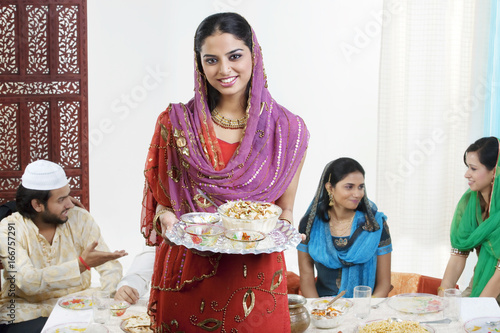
(347, 239)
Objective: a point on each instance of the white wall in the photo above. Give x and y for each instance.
(141, 59)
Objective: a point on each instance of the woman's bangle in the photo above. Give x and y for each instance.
(457, 252)
(440, 288)
(498, 265)
(157, 217)
(84, 263)
(285, 220)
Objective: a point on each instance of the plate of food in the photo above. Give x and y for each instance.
(388, 325)
(323, 316)
(482, 325)
(76, 327)
(136, 324)
(76, 302)
(416, 303)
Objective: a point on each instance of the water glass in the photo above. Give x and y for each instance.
(362, 299)
(101, 306)
(452, 304)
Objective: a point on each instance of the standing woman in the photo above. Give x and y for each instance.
(347, 239)
(476, 223)
(232, 141)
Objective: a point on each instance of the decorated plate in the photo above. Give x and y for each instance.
(76, 302)
(283, 237)
(416, 303)
(77, 327)
(479, 325)
(408, 329)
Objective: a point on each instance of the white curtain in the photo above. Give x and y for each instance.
(431, 106)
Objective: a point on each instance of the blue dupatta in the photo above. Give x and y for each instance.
(358, 261)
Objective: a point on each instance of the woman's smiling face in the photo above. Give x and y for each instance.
(227, 64)
(478, 176)
(349, 191)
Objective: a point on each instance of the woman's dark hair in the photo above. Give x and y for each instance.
(23, 201)
(338, 170)
(231, 23)
(487, 151)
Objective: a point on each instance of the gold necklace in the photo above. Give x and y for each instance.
(228, 123)
(341, 228)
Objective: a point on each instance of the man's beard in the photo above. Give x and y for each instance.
(50, 218)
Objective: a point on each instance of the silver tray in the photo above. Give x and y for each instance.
(283, 237)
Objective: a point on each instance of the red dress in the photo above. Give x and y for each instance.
(206, 292)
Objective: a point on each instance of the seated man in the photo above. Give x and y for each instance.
(47, 249)
(135, 283)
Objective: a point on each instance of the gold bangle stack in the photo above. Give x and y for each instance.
(457, 252)
(157, 217)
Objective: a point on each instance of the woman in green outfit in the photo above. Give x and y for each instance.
(476, 223)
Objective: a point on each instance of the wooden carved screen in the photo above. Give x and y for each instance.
(43, 91)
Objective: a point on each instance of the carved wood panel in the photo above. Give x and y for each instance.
(43, 91)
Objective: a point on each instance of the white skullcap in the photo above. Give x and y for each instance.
(44, 175)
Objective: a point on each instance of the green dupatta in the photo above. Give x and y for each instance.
(469, 231)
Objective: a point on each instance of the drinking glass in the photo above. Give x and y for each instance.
(362, 299)
(452, 304)
(101, 306)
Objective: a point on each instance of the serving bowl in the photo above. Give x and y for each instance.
(200, 218)
(249, 215)
(204, 234)
(332, 316)
(242, 239)
(118, 308)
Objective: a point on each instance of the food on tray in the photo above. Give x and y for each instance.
(137, 324)
(200, 217)
(252, 215)
(204, 234)
(250, 210)
(387, 326)
(244, 239)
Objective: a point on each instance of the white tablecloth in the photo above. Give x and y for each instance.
(471, 308)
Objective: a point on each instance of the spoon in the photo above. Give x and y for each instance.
(493, 323)
(378, 304)
(207, 198)
(442, 321)
(342, 293)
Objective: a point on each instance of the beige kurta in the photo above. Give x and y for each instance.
(37, 273)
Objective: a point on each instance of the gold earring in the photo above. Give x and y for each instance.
(332, 199)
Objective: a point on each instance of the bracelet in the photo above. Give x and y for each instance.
(457, 252)
(84, 263)
(498, 265)
(440, 288)
(286, 220)
(157, 217)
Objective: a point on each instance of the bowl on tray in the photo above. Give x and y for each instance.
(242, 239)
(331, 316)
(200, 218)
(249, 215)
(204, 234)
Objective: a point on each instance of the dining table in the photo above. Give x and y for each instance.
(470, 309)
